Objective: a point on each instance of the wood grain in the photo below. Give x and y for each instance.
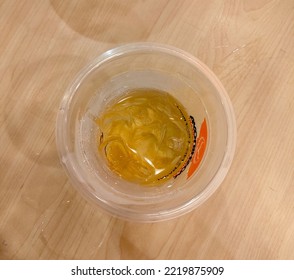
(248, 44)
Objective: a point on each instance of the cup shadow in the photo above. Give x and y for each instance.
(33, 94)
(110, 21)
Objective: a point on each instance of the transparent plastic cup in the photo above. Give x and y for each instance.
(156, 66)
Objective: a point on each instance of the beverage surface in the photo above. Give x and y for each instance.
(146, 136)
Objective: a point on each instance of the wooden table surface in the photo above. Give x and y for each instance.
(249, 44)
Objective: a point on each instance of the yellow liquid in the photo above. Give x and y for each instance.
(146, 136)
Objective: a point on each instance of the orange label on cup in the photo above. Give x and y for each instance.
(201, 143)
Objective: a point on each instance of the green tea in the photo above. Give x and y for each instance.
(146, 137)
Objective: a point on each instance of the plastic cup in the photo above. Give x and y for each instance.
(162, 67)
